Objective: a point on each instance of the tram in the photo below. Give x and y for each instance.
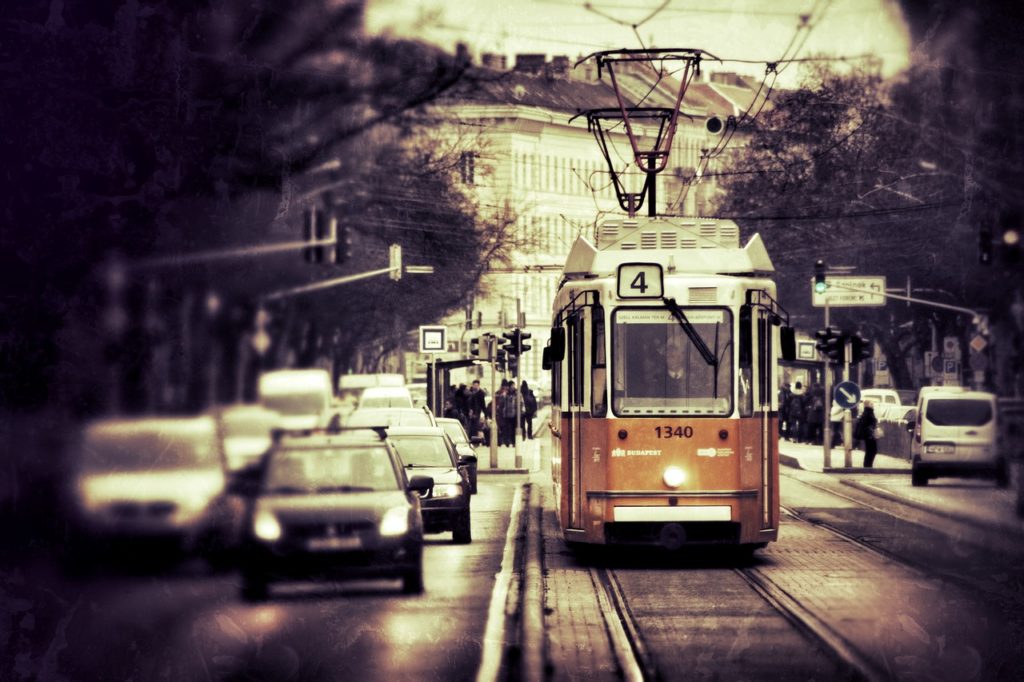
(663, 355)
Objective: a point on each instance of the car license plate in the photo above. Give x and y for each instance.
(941, 449)
(334, 543)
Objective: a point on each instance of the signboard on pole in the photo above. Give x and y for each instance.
(433, 339)
(850, 292)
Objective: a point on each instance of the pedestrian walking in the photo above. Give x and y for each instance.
(476, 403)
(865, 431)
(796, 412)
(835, 417)
(815, 413)
(529, 410)
(511, 413)
(784, 394)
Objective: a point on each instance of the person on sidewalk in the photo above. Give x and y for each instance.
(784, 394)
(796, 413)
(835, 417)
(865, 431)
(529, 410)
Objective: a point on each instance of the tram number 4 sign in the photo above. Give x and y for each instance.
(640, 280)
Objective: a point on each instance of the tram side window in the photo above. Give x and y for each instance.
(598, 382)
(746, 361)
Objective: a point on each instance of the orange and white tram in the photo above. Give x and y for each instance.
(663, 356)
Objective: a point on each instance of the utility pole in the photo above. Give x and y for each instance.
(492, 351)
(847, 414)
(826, 425)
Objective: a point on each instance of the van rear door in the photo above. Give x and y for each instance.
(959, 428)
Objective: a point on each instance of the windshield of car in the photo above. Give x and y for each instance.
(423, 451)
(243, 423)
(311, 402)
(330, 469)
(455, 431)
(386, 401)
(395, 417)
(658, 370)
(959, 412)
(148, 450)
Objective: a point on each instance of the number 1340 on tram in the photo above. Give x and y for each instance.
(663, 355)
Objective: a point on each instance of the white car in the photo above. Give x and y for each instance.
(956, 434)
(301, 396)
(152, 479)
(385, 396)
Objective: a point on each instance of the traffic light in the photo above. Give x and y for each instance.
(820, 285)
(834, 346)
(499, 360)
(829, 343)
(985, 246)
(1010, 227)
(314, 227)
(523, 346)
(511, 341)
(343, 241)
(860, 348)
(474, 346)
(513, 365)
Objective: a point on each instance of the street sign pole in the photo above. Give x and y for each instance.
(826, 422)
(492, 352)
(848, 416)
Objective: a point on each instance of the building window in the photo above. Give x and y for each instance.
(467, 167)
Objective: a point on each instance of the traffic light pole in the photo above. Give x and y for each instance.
(492, 353)
(826, 425)
(847, 414)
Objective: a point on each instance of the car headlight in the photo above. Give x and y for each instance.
(674, 477)
(395, 521)
(450, 490)
(266, 527)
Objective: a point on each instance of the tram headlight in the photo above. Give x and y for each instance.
(674, 477)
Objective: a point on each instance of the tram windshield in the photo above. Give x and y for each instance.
(658, 371)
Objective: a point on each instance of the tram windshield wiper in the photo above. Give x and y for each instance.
(695, 338)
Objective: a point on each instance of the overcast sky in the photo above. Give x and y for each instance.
(758, 30)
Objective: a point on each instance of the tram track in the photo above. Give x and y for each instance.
(636, 662)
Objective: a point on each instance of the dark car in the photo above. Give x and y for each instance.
(428, 450)
(332, 504)
(457, 432)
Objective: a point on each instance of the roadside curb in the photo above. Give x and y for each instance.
(790, 461)
(481, 472)
(864, 470)
(993, 524)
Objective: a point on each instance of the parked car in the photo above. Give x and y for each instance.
(246, 433)
(455, 431)
(888, 396)
(301, 396)
(956, 434)
(332, 504)
(429, 450)
(385, 396)
(153, 479)
(391, 416)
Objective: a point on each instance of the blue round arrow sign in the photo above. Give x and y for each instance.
(846, 394)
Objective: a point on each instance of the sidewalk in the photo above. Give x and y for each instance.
(529, 451)
(812, 458)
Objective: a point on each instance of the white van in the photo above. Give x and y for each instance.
(956, 434)
(300, 396)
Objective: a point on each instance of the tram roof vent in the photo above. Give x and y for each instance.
(710, 246)
(703, 295)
